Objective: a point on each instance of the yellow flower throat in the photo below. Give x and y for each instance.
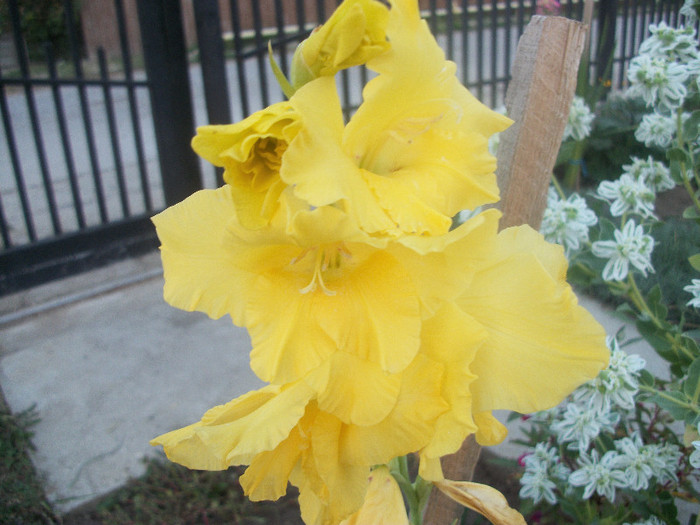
(326, 261)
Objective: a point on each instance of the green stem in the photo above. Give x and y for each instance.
(557, 187)
(684, 173)
(690, 406)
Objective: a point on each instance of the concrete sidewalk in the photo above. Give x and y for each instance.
(109, 365)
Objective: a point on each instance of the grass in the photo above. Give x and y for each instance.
(21, 489)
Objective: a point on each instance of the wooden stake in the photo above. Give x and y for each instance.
(538, 100)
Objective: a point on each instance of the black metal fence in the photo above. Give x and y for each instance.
(93, 145)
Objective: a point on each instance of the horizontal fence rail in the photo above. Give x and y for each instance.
(96, 128)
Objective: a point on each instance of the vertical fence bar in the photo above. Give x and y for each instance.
(133, 104)
(87, 119)
(213, 62)
(113, 133)
(450, 21)
(164, 51)
(433, 21)
(65, 137)
(494, 51)
(23, 60)
(16, 167)
(240, 59)
(464, 6)
(261, 53)
(281, 37)
(509, 39)
(480, 49)
(4, 227)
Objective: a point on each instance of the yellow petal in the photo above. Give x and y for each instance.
(196, 262)
(491, 430)
(483, 499)
(346, 483)
(541, 344)
(354, 390)
(383, 503)
(234, 434)
(251, 151)
(315, 164)
(374, 314)
(453, 339)
(268, 474)
(408, 427)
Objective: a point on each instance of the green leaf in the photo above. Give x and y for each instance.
(646, 378)
(691, 127)
(675, 403)
(287, 88)
(678, 155)
(694, 261)
(691, 385)
(656, 302)
(691, 213)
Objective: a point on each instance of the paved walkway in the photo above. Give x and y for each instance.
(109, 365)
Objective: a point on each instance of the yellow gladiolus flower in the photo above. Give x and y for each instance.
(354, 34)
(413, 155)
(251, 152)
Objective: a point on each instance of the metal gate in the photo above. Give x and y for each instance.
(93, 142)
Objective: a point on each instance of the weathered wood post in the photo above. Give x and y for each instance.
(538, 100)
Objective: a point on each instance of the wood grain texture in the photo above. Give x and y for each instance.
(538, 100)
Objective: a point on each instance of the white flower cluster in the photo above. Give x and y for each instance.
(653, 173)
(690, 10)
(567, 221)
(594, 408)
(657, 130)
(542, 467)
(615, 387)
(668, 65)
(631, 246)
(580, 121)
(628, 194)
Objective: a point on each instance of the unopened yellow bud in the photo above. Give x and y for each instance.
(355, 33)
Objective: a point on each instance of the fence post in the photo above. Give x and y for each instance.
(538, 100)
(165, 56)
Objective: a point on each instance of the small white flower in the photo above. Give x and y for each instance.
(578, 126)
(631, 246)
(652, 520)
(537, 486)
(579, 426)
(665, 461)
(653, 173)
(690, 10)
(658, 81)
(670, 43)
(628, 194)
(568, 221)
(694, 290)
(637, 461)
(599, 475)
(656, 130)
(614, 387)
